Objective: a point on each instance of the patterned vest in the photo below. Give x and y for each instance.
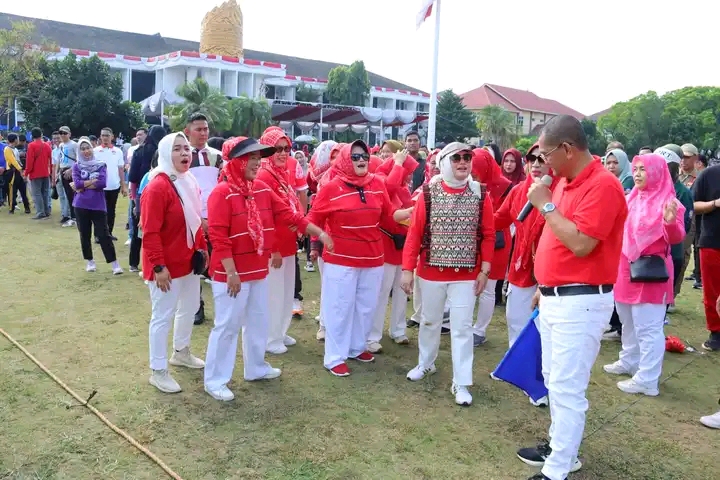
(453, 226)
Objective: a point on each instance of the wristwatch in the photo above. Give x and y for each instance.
(547, 208)
(158, 268)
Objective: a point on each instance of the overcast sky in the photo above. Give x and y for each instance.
(587, 55)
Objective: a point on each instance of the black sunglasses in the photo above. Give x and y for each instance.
(457, 157)
(286, 148)
(356, 157)
(531, 159)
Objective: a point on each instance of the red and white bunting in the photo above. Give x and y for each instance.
(424, 12)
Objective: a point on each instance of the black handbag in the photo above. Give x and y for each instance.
(397, 238)
(499, 240)
(53, 192)
(649, 269)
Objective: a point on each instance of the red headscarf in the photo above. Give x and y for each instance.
(234, 174)
(518, 175)
(486, 170)
(428, 168)
(271, 136)
(344, 166)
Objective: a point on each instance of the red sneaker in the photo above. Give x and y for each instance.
(365, 357)
(341, 370)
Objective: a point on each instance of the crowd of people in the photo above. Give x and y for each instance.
(600, 245)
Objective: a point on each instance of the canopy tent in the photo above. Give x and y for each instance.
(330, 115)
(154, 105)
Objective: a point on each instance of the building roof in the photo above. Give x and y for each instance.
(515, 100)
(596, 116)
(96, 39)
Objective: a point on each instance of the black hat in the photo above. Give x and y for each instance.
(245, 146)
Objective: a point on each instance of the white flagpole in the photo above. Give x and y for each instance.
(433, 93)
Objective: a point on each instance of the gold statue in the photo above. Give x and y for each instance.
(222, 31)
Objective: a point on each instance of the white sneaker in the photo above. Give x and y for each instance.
(671, 308)
(374, 347)
(611, 336)
(420, 372)
(184, 358)
(223, 394)
(69, 223)
(309, 267)
(272, 373)
(711, 421)
(277, 351)
(289, 341)
(462, 395)
(401, 340)
(118, 270)
(127, 242)
(616, 368)
(542, 402)
(631, 386)
(162, 380)
(320, 336)
(91, 267)
(317, 318)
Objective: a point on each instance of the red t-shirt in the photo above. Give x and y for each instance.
(163, 228)
(412, 249)
(352, 224)
(38, 160)
(595, 202)
(297, 178)
(285, 241)
(228, 229)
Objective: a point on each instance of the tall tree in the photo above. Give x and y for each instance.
(250, 117)
(454, 121)
(348, 85)
(200, 97)
(498, 125)
(84, 95)
(305, 93)
(596, 141)
(524, 144)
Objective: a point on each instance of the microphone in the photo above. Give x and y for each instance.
(547, 180)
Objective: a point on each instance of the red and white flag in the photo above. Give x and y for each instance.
(425, 12)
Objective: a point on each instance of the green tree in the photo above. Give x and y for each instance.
(524, 144)
(636, 123)
(250, 117)
(305, 93)
(348, 85)
(596, 141)
(498, 125)
(454, 121)
(84, 95)
(200, 97)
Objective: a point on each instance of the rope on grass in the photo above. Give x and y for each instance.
(94, 410)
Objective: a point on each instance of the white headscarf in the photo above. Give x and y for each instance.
(86, 162)
(185, 183)
(446, 173)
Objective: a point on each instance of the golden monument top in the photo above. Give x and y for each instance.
(222, 30)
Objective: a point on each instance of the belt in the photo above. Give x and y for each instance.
(573, 290)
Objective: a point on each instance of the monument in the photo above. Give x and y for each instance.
(222, 31)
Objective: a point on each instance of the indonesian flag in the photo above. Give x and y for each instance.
(424, 12)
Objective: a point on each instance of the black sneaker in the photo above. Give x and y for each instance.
(540, 476)
(64, 219)
(412, 323)
(200, 315)
(536, 456)
(690, 277)
(444, 331)
(478, 340)
(697, 285)
(712, 344)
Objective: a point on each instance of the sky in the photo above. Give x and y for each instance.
(586, 55)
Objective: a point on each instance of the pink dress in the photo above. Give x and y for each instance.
(656, 293)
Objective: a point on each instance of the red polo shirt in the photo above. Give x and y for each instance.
(594, 201)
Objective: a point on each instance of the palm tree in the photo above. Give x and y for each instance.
(200, 97)
(498, 125)
(249, 117)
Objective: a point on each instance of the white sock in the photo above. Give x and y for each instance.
(115, 264)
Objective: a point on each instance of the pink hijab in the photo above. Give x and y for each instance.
(645, 222)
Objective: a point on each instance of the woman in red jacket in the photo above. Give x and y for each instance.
(486, 171)
(281, 279)
(453, 234)
(242, 215)
(172, 241)
(351, 207)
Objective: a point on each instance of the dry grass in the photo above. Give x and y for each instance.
(91, 331)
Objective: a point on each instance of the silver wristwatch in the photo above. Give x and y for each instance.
(547, 208)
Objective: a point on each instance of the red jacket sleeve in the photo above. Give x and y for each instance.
(413, 241)
(219, 216)
(487, 246)
(321, 210)
(153, 199)
(31, 157)
(282, 213)
(504, 217)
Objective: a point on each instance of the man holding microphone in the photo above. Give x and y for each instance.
(576, 265)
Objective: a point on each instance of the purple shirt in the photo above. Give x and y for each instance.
(91, 198)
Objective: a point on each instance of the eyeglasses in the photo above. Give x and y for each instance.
(544, 156)
(356, 157)
(285, 149)
(532, 158)
(457, 157)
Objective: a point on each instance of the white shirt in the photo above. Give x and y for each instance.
(130, 152)
(206, 176)
(113, 158)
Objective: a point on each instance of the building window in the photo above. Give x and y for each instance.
(375, 102)
(401, 105)
(423, 107)
(520, 120)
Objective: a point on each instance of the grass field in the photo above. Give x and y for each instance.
(91, 331)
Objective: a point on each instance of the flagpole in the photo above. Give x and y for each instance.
(433, 93)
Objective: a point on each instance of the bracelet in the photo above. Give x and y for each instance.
(233, 274)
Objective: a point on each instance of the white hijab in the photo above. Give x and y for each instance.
(446, 175)
(185, 183)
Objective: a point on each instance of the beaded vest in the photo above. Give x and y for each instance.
(453, 226)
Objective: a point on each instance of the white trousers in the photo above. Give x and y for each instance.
(349, 299)
(462, 302)
(180, 302)
(281, 284)
(390, 283)
(247, 311)
(417, 302)
(570, 330)
(643, 341)
(518, 309)
(486, 307)
(321, 265)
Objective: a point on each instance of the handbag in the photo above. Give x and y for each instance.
(397, 238)
(649, 269)
(499, 240)
(197, 260)
(54, 193)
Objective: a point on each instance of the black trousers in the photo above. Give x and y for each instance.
(135, 242)
(298, 280)
(69, 192)
(615, 321)
(86, 221)
(18, 185)
(111, 198)
(696, 251)
(207, 271)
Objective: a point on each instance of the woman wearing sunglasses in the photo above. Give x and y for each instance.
(451, 244)
(350, 207)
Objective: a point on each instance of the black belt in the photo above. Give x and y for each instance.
(573, 290)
